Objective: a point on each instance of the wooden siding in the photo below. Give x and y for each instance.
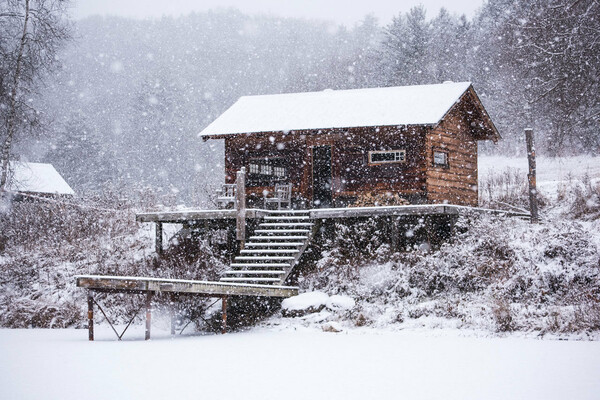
(456, 183)
(351, 172)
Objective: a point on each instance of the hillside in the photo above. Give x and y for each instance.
(495, 275)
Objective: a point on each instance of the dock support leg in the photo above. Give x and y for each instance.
(394, 234)
(224, 314)
(148, 314)
(158, 243)
(173, 313)
(90, 301)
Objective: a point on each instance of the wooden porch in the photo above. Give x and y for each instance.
(318, 214)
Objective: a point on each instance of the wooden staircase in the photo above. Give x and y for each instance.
(274, 249)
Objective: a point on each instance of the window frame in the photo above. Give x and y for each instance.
(446, 154)
(402, 159)
(266, 171)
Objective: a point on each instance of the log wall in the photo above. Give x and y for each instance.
(456, 183)
(351, 172)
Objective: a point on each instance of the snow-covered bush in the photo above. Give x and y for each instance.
(500, 274)
(583, 197)
(47, 242)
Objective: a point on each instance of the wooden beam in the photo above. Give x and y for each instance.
(195, 215)
(148, 315)
(240, 206)
(173, 312)
(216, 289)
(224, 314)
(90, 302)
(158, 240)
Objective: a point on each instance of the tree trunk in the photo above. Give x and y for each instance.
(12, 112)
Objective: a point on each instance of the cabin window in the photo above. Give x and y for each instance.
(254, 169)
(387, 156)
(266, 171)
(440, 159)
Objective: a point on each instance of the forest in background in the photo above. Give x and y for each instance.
(130, 96)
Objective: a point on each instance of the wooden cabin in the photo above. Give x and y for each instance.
(418, 143)
(33, 180)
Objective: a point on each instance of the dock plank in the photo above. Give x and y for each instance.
(324, 213)
(157, 285)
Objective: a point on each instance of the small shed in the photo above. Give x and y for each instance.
(37, 179)
(414, 142)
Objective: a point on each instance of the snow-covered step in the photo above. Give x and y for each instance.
(278, 244)
(249, 279)
(262, 237)
(282, 231)
(259, 265)
(284, 224)
(265, 258)
(254, 272)
(288, 217)
(270, 251)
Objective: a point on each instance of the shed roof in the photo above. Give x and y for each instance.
(402, 105)
(37, 178)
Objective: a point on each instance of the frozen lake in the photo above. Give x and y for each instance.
(304, 364)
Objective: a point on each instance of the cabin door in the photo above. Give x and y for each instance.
(322, 187)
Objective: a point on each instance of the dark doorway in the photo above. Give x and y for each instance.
(322, 188)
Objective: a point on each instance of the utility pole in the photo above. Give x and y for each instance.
(531, 176)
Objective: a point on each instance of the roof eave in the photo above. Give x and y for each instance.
(494, 136)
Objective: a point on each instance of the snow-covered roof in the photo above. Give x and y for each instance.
(402, 105)
(37, 178)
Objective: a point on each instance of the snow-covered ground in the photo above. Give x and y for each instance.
(549, 169)
(449, 349)
(305, 364)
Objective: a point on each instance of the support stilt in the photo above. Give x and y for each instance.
(394, 234)
(148, 314)
(224, 314)
(159, 238)
(90, 301)
(173, 313)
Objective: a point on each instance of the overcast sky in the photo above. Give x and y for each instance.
(340, 11)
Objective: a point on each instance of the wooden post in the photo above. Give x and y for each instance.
(240, 205)
(148, 314)
(224, 314)
(158, 243)
(533, 206)
(173, 313)
(90, 301)
(394, 233)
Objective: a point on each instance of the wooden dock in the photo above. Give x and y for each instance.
(151, 286)
(102, 283)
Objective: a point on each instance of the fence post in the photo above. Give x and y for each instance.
(531, 176)
(240, 205)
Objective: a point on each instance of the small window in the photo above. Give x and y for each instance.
(389, 156)
(254, 168)
(440, 158)
(279, 171)
(266, 169)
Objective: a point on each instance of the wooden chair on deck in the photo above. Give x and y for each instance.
(281, 195)
(226, 195)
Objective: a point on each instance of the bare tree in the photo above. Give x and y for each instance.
(31, 32)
